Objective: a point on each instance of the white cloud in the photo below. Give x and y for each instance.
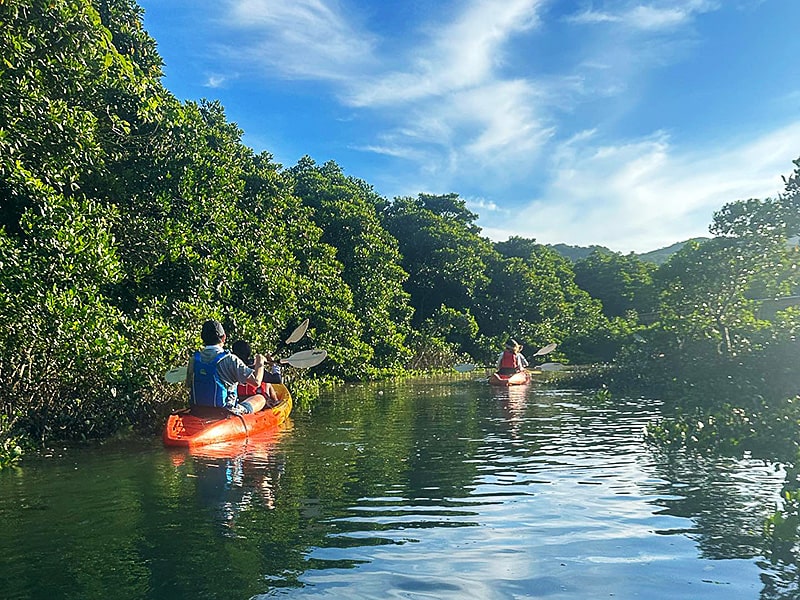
(394, 150)
(452, 96)
(651, 17)
(647, 194)
(507, 122)
(647, 17)
(455, 118)
(215, 81)
(458, 55)
(483, 206)
(300, 39)
(489, 127)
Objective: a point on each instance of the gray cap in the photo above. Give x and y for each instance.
(212, 333)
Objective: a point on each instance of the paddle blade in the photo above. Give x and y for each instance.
(176, 375)
(546, 350)
(551, 367)
(464, 367)
(305, 359)
(298, 333)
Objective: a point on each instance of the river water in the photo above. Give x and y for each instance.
(438, 488)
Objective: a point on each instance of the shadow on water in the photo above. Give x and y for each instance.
(436, 488)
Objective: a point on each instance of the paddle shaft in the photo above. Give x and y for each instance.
(298, 333)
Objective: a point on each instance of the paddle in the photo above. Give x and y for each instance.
(551, 367)
(467, 367)
(299, 332)
(300, 360)
(546, 350)
(305, 358)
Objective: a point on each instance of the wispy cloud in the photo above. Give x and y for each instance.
(484, 206)
(299, 39)
(646, 193)
(453, 93)
(458, 55)
(215, 81)
(449, 114)
(651, 17)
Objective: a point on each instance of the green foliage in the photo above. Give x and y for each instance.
(441, 250)
(576, 253)
(532, 296)
(726, 369)
(459, 328)
(662, 255)
(624, 284)
(431, 351)
(10, 445)
(345, 209)
(707, 290)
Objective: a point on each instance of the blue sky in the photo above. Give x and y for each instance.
(623, 123)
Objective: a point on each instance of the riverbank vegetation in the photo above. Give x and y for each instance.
(128, 217)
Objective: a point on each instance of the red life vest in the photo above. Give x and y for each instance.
(508, 360)
(247, 390)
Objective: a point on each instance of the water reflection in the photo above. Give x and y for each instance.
(442, 488)
(555, 497)
(725, 499)
(235, 476)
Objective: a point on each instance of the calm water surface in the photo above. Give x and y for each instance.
(440, 488)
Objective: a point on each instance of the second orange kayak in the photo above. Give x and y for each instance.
(520, 378)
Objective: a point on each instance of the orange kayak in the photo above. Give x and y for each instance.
(520, 378)
(183, 429)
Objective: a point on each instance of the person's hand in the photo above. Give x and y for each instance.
(259, 361)
(271, 393)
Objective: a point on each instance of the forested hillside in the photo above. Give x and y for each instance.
(658, 256)
(127, 218)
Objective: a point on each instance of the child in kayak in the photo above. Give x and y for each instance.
(242, 349)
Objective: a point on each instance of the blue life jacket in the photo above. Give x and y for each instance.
(207, 387)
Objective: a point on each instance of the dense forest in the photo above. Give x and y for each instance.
(127, 218)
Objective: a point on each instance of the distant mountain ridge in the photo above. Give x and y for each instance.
(576, 253)
(659, 256)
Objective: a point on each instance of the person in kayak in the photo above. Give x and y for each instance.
(511, 360)
(214, 374)
(272, 373)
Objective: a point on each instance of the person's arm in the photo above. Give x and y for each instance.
(522, 361)
(258, 375)
(258, 371)
(499, 360)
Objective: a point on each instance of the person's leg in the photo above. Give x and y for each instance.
(272, 395)
(257, 402)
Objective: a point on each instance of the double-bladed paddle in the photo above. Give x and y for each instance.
(303, 359)
(299, 360)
